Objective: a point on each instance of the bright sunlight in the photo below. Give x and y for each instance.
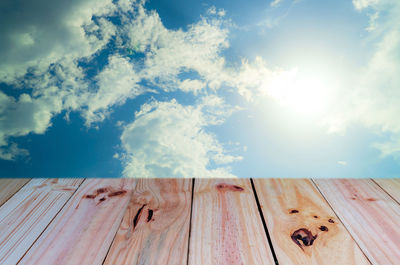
(304, 94)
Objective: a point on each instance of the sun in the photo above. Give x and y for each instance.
(302, 93)
(306, 95)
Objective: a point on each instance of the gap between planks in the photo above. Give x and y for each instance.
(225, 225)
(155, 225)
(303, 228)
(369, 214)
(28, 212)
(384, 189)
(263, 222)
(8, 187)
(190, 221)
(51, 220)
(86, 225)
(390, 186)
(339, 218)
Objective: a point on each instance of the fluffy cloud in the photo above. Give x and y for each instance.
(38, 34)
(375, 98)
(389, 148)
(169, 53)
(21, 117)
(117, 82)
(51, 48)
(275, 2)
(167, 139)
(45, 40)
(48, 40)
(144, 53)
(361, 4)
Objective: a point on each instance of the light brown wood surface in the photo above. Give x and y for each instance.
(25, 215)
(154, 221)
(291, 205)
(155, 228)
(10, 186)
(370, 215)
(83, 231)
(391, 186)
(226, 226)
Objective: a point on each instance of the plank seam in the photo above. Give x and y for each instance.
(15, 192)
(345, 227)
(263, 222)
(385, 191)
(190, 222)
(34, 242)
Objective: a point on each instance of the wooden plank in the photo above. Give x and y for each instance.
(84, 229)
(226, 226)
(25, 215)
(294, 208)
(391, 186)
(371, 216)
(155, 228)
(10, 186)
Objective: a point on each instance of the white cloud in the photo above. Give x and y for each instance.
(37, 34)
(213, 11)
(117, 82)
(46, 39)
(255, 80)
(374, 100)
(169, 53)
(373, 22)
(21, 117)
(389, 148)
(59, 84)
(276, 2)
(190, 85)
(63, 89)
(361, 4)
(342, 163)
(83, 30)
(12, 151)
(167, 139)
(49, 48)
(379, 86)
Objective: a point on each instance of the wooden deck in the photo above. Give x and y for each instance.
(201, 221)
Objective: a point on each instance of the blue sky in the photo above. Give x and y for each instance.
(101, 88)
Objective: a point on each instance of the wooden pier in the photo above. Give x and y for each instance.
(199, 221)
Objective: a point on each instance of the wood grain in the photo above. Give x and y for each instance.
(84, 229)
(10, 186)
(370, 215)
(391, 186)
(155, 228)
(25, 215)
(226, 226)
(291, 205)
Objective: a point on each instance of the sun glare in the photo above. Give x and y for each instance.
(302, 93)
(306, 95)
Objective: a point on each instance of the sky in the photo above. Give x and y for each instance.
(125, 88)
